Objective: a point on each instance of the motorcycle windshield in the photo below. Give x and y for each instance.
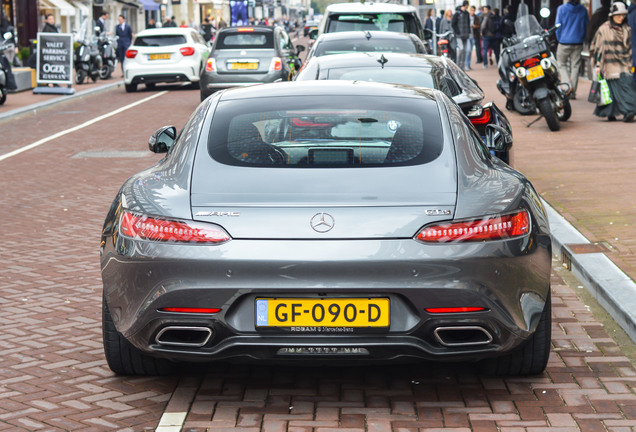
(526, 24)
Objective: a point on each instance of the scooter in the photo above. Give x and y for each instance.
(7, 82)
(88, 60)
(107, 48)
(536, 70)
(518, 98)
(444, 42)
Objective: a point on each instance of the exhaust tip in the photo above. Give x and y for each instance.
(462, 336)
(184, 336)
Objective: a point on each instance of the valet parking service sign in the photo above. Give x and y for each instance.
(55, 58)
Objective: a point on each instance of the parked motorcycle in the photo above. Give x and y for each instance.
(88, 60)
(444, 44)
(108, 51)
(536, 83)
(6, 78)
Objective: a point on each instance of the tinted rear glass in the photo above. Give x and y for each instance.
(372, 45)
(252, 40)
(160, 40)
(418, 77)
(326, 132)
(402, 23)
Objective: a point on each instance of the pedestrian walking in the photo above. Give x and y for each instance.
(49, 24)
(446, 25)
(206, 29)
(631, 20)
(429, 26)
(170, 22)
(101, 22)
(599, 16)
(611, 50)
(489, 29)
(124, 33)
(475, 22)
(461, 28)
(151, 23)
(574, 20)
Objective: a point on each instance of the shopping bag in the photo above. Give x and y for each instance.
(595, 93)
(606, 97)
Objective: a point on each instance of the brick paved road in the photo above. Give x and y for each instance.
(53, 374)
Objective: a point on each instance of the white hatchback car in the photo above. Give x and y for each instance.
(165, 55)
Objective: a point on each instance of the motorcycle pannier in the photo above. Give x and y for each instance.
(528, 48)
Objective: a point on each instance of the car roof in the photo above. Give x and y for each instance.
(371, 7)
(327, 88)
(166, 31)
(362, 34)
(357, 59)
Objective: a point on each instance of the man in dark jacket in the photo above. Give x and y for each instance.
(49, 24)
(489, 30)
(461, 28)
(125, 35)
(599, 16)
(631, 20)
(574, 20)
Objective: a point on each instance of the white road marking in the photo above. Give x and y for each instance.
(76, 128)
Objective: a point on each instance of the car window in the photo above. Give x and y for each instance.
(395, 22)
(245, 40)
(417, 77)
(159, 40)
(372, 45)
(326, 132)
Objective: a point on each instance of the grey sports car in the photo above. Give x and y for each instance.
(330, 221)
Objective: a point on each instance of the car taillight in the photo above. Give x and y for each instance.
(210, 66)
(480, 116)
(455, 309)
(276, 65)
(131, 53)
(165, 230)
(191, 310)
(489, 228)
(186, 51)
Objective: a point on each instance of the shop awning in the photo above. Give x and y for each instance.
(83, 8)
(149, 5)
(63, 6)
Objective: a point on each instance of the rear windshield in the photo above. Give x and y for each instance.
(326, 132)
(252, 40)
(417, 77)
(160, 40)
(402, 23)
(371, 45)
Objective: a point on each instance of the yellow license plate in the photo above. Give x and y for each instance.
(534, 73)
(159, 56)
(243, 66)
(351, 312)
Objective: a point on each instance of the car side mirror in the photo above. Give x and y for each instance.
(313, 34)
(497, 138)
(300, 48)
(162, 139)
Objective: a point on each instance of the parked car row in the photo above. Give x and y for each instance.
(357, 214)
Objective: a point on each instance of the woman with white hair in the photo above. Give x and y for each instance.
(611, 50)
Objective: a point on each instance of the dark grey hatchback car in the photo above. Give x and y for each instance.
(330, 221)
(243, 56)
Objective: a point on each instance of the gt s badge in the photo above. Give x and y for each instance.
(218, 213)
(438, 212)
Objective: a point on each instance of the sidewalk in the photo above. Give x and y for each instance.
(585, 172)
(25, 101)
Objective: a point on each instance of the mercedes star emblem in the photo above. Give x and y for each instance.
(322, 222)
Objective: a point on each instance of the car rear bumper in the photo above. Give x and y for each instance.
(211, 82)
(510, 280)
(137, 74)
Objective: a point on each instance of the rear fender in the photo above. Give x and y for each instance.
(540, 93)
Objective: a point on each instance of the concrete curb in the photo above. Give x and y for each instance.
(48, 103)
(611, 287)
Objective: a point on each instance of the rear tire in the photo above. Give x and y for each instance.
(3, 95)
(195, 85)
(531, 358)
(151, 86)
(131, 88)
(550, 114)
(522, 103)
(566, 112)
(124, 358)
(104, 72)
